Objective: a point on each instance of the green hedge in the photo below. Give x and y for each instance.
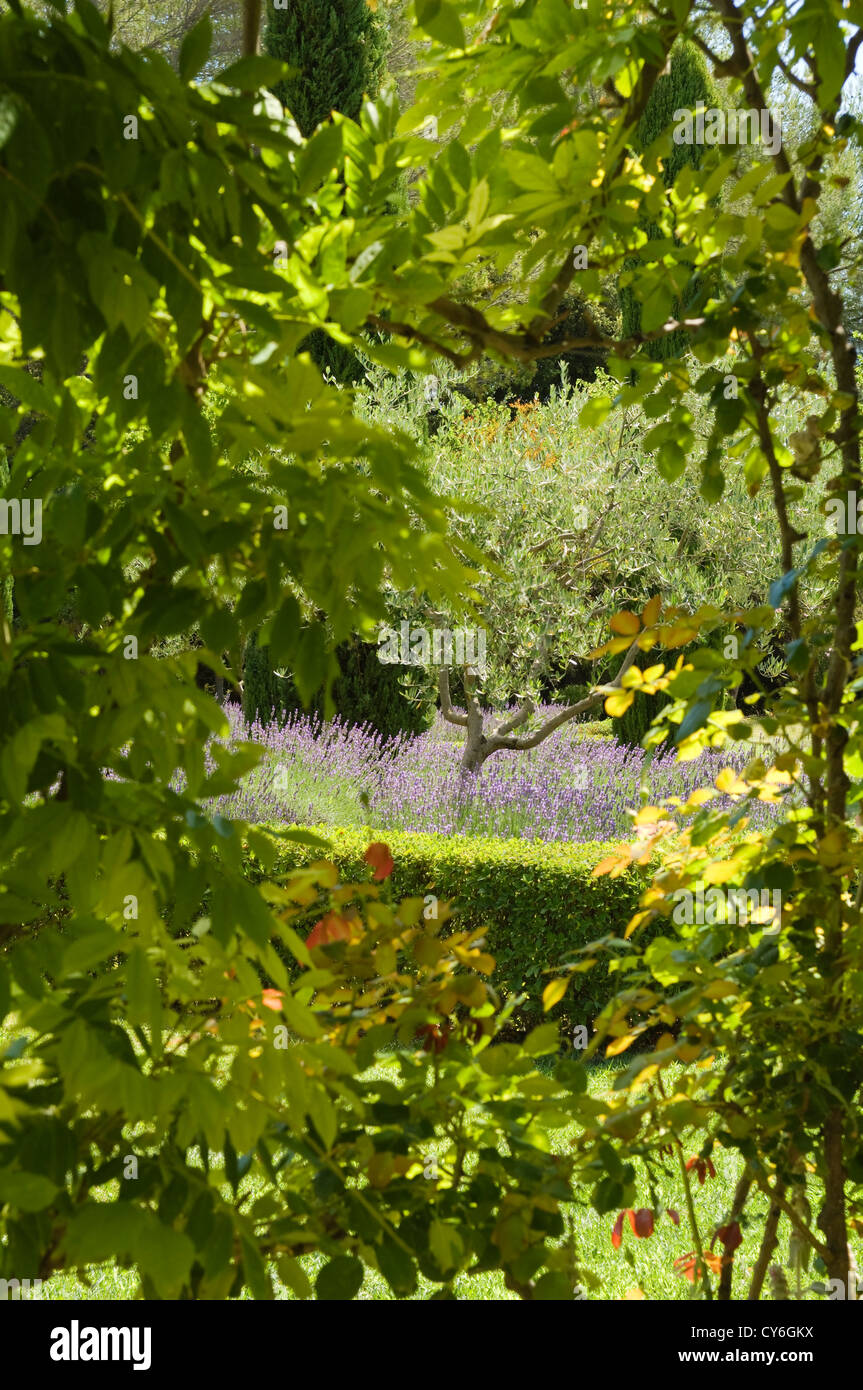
(537, 901)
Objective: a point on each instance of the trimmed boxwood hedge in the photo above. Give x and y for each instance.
(537, 901)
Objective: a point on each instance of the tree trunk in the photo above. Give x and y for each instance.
(831, 1218)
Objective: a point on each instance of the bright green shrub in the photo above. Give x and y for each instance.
(537, 900)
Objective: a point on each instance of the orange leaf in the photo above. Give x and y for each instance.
(651, 611)
(329, 928)
(626, 623)
(617, 1231)
(686, 1264)
(379, 857)
(272, 999)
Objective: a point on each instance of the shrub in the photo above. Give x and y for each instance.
(538, 902)
(367, 691)
(631, 726)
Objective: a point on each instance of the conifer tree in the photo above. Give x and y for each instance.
(338, 48)
(685, 85)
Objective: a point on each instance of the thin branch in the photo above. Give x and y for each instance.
(768, 1245)
(519, 346)
(851, 54)
(587, 703)
(807, 88)
(446, 708)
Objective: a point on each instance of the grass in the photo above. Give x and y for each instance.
(641, 1267)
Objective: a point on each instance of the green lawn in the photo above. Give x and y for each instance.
(645, 1264)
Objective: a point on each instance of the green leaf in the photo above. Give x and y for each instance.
(553, 1286)
(545, 1038)
(445, 1244)
(780, 587)
(340, 1280)
(321, 155)
(26, 1191)
(9, 112)
(397, 1267)
(195, 48)
(693, 720)
(441, 21)
(249, 74)
(293, 1274)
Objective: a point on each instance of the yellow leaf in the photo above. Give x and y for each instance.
(553, 993)
(613, 864)
(649, 815)
(632, 1295)
(637, 921)
(697, 798)
(721, 872)
(645, 1074)
(651, 611)
(381, 1169)
(653, 672)
(677, 636)
(625, 622)
(729, 782)
(719, 989)
(832, 843)
(619, 703)
(620, 1045)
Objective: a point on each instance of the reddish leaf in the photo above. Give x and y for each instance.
(686, 1264)
(329, 928)
(435, 1037)
(729, 1236)
(272, 999)
(617, 1232)
(675, 1215)
(703, 1168)
(642, 1222)
(379, 857)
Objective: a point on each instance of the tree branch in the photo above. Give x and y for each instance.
(251, 27)
(446, 708)
(587, 703)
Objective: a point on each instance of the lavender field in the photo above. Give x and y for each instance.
(575, 786)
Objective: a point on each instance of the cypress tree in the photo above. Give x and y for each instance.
(339, 49)
(686, 83)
